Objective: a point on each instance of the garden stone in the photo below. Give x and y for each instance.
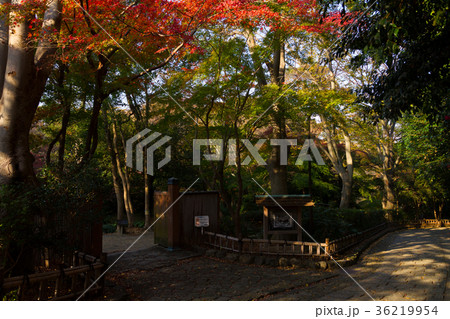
(271, 261)
(322, 265)
(294, 262)
(232, 257)
(283, 262)
(221, 254)
(246, 259)
(259, 260)
(210, 253)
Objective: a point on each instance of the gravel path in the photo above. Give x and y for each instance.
(115, 242)
(404, 265)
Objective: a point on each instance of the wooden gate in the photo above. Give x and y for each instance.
(175, 218)
(199, 204)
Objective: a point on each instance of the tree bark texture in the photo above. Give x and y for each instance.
(24, 72)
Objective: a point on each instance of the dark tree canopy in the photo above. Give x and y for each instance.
(409, 43)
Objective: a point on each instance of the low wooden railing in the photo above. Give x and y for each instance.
(288, 248)
(295, 248)
(63, 284)
(435, 222)
(282, 247)
(264, 246)
(341, 244)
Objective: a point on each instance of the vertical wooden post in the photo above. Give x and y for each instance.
(104, 260)
(299, 221)
(96, 244)
(266, 222)
(327, 245)
(174, 214)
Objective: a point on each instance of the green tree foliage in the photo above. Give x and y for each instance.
(72, 198)
(408, 41)
(425, 179)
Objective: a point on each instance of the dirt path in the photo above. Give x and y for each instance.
(113, 243)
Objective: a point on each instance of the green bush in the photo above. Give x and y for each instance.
(17, 222)
(139, 224)
(109, 228)
(334, 223)
(251, 223)
(43, 215)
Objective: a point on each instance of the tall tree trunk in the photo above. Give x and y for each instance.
(347, 177)
(277, 173)
(345, 171)
(23, 73)
(123, 174)
(277, 68)
(118, 188)
(149, 190)
(388, 202)
(148, 193)
(386, 154)
(346, 191)
(99, 96)
(438, 212)
(238, 205)
(141, 123)
(61, 136)
(62, 139)
(277, 170)
(118, 191)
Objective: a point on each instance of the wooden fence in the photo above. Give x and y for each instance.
(63, 284)
(341, 244)
(288, 248)
(435, 222)
(264, 246)
(297, 248)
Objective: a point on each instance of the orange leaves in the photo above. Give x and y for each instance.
(156, 27)
(25, 13)
(287, 15)
(140, 27)
(162, 50)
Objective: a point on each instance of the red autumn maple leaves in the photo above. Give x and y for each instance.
(158, 26)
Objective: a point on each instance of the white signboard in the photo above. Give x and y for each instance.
(201, 221)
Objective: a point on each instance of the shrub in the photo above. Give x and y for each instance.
(334, 223)
(51, 215)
